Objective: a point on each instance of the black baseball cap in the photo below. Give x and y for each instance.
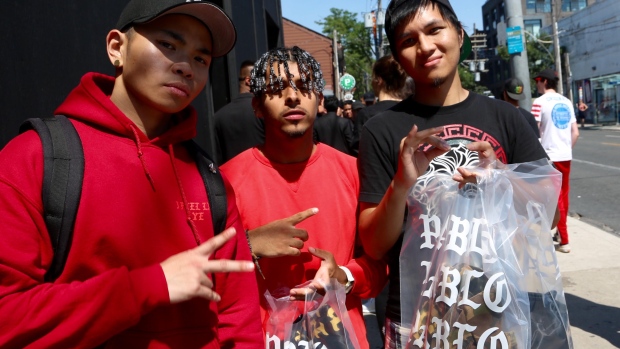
(547, 74)
(369, 97)
(465, 49)
(514, 88)
(222, 29)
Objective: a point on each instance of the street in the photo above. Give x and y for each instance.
(595, 178)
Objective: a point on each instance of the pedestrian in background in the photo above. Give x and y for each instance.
(558, 135)
(314, 185)
(236, 126)
(333, 130)
(513, 93)
(144, 269)
(442, 119)
(389, 85)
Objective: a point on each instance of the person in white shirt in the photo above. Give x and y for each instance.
(558, 134)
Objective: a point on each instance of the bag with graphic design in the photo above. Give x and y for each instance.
(478, 268)
(319, 322)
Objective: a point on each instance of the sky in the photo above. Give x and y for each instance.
(307, 13)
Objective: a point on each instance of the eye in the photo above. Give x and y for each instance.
(166, 45)
(202, 60)
(407, 42)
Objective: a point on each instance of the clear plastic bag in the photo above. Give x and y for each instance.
(478, 268)
(318, 322)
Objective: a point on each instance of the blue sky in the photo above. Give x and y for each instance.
(307, 13)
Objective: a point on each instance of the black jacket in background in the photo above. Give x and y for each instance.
(336, 132)
(237, 128)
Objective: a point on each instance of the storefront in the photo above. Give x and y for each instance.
(602, 95)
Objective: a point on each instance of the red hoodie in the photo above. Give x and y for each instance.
(132, 216)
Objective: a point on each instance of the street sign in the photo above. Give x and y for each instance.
(514, 38)
(347, 82)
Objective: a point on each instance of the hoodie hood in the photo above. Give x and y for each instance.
(90, 103)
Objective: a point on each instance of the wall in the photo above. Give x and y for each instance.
(46, 49)
(318, 45)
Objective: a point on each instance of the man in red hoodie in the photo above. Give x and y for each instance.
(144, 269)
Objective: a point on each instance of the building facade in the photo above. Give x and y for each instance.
(317, 44)
(536, 16)
(590, 37)
(48, 49)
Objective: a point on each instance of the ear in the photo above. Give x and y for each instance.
(461, 36)
(256, 107)
(116, 43)
(246, 81)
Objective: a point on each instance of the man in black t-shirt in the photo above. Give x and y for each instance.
(441, 128)
(513, 93)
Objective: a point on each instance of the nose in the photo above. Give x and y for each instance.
(425, 45)
(183, 68)
(291, 94)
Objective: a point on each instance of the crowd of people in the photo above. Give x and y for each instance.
(314, 188)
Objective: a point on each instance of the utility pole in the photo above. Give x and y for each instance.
(380, 30)
(336, 67)
(518, 62)
(569, 78)
(556, 48)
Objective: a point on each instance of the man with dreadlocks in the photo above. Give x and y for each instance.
(314, 185)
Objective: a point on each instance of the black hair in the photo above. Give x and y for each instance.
(331, 103)
(401, 12)
(246, 63)
(551, 84)
(386, 69)
(348, 101)
(264, 78)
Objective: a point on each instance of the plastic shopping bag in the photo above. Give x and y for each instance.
(478, 267)
(318, 322)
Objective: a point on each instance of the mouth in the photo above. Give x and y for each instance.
(431, 62)
(178, 88)
(294, 115)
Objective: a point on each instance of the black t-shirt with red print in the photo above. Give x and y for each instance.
(477, 118)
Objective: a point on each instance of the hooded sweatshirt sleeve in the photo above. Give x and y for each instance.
(239, 312)
(36, 314)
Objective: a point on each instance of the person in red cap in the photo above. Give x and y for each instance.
(558, 135)
(146, 268)
(438, 130)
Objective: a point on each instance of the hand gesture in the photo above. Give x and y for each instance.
(329, 270)
(187, 272)
(281, 238)
(486, 157)
(413, 162)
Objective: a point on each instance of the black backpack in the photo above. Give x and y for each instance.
(63, 173)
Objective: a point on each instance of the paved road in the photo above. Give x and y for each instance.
(595, 178)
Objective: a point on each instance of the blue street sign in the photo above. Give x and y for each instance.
(514, 40)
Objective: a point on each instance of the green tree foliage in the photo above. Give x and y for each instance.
(468, 81)
(358, 53)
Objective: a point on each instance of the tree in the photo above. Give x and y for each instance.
(355, 39)
(468, 81)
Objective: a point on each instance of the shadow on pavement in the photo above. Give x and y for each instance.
(600, 320)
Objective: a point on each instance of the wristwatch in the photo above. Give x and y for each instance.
(350, 280)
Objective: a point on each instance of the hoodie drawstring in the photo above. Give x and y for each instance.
(190, 222)
(141, 156)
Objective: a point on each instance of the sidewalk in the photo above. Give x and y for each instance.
(591, 278)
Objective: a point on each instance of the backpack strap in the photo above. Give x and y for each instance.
(214, 184)
(63, 173)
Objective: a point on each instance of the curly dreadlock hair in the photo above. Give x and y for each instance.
(264, 78)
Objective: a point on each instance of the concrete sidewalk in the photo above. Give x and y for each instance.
(591, 278)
